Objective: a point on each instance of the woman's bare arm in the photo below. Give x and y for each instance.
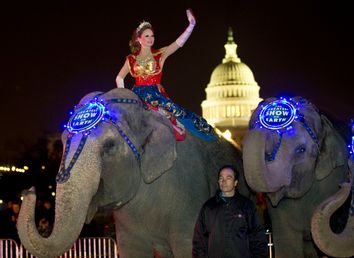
(122, 73)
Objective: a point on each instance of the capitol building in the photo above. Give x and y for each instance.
(231, 95)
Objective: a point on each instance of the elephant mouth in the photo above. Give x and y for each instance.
(275, 197)
(295, 189)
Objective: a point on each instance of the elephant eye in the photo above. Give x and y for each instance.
(108, 145)
(300, 149)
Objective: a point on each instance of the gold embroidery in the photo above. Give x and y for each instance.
(145, 66)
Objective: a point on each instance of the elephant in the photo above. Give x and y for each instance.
(133, 166)
(299, 164)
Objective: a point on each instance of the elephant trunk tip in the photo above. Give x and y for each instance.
(333, 244)
(29, 191)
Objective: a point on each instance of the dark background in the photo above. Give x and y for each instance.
(53, 53)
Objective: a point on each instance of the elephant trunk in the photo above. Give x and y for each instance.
(257, 174)
(336, 245)
(72, 201)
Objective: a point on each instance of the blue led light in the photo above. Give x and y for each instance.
(277, 114)
(86, 117)
(352, 147)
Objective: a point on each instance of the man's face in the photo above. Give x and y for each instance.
(227, 182)
(16, 208)
(47, 205)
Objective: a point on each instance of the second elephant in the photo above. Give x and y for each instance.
(299, 167)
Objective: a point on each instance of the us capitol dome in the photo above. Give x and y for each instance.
(231, 95)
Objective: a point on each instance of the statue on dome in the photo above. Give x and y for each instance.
(145, 64)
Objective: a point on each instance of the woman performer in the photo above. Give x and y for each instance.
(145, 65)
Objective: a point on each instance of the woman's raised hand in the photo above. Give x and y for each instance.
(191, 17)
(185, 35)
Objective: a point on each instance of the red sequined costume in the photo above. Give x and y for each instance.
(147, 74)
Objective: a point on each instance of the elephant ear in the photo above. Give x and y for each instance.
(159, 147)
(331, 154)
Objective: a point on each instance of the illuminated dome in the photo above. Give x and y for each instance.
(232, 93)
(232, 73)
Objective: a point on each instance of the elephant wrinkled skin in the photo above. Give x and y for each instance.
(301, 181)
(155, 201)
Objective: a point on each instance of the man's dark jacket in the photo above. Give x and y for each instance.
(229, 228)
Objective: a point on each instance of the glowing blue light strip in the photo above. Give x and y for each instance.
(351, 145)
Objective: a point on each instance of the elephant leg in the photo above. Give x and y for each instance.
(294, 247)
(290, 234)
(133, 245)
(182, 248)
(181, 240)
(309, 247)
(289, 246)
(162, 251)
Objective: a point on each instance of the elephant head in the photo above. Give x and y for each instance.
(139, 145)
(286, 162)
(294, 154)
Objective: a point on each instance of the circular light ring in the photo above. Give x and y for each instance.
(277, 114)
(86, 117)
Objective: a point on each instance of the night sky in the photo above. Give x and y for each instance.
(54, 53)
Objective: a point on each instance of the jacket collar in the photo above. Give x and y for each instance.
(221, 199)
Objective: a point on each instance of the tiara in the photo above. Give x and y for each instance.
(142, 24)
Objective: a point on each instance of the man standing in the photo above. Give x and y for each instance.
(227, 225)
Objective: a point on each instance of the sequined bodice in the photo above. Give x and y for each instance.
(146, 71)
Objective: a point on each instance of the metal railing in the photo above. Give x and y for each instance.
(91, 247)
(83, 248)
(8, 248)
(270, 243)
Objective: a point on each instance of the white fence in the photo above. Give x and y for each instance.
(91, 247)
(8, 248)
(82, 248)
